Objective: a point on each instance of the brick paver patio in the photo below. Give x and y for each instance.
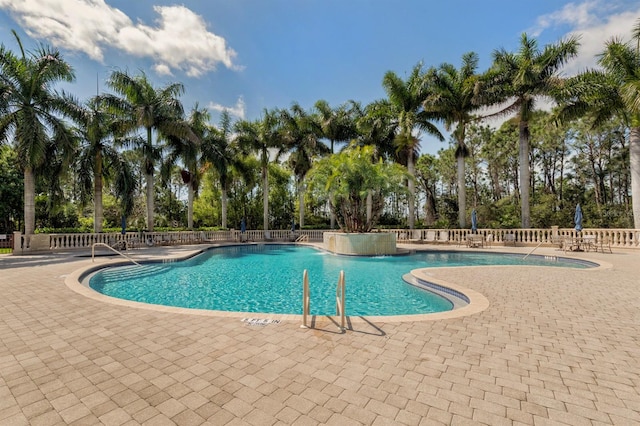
(555, 346)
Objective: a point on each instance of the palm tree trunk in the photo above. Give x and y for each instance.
(332, 219)
(332, 216)
(462, 194)
(223, 191)
(412, 190)
(98, 214)
(29, 201)
(634, 159)
(150, 201)
(190, 195)
(301, 202)
(369, 206)
(150, 189)
(525, 174)
(265, 199)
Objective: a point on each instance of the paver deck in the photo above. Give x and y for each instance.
(555, 346)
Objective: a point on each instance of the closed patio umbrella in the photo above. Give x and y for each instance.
(243, 226)
(577, 218)
(474, 221)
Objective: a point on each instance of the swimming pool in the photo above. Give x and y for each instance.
(266, 278)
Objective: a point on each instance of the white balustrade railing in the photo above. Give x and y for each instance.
(621, 238)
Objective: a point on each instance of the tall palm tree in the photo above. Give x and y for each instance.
(452, 98)
(219, 151)
(520, 79)
(262, 137)
(613, 91)
(300, 135)
(405, 105)
(377, 128)
(336, 124)
(32, 112)
(140, 105)
(97, 156)
(189, 152)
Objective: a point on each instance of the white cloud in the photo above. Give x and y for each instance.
(575, 15)
(595, 22)
(177, 40)
(237, 110)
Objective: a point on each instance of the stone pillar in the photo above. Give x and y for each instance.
(17, 242)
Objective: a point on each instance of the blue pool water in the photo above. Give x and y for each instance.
(268, 279)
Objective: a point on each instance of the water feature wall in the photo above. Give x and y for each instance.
(368, 244)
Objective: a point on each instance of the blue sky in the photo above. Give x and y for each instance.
(247, 55)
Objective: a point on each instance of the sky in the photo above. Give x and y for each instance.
(251, 55)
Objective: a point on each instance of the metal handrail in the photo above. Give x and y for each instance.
(534, 249)
(340, 301)
(93, 252)
(305, 299)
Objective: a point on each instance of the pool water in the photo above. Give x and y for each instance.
(268, 279)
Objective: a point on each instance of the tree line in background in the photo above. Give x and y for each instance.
(136, 155)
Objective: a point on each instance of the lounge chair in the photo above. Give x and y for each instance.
(475, 241)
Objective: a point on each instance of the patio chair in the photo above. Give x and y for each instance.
(589, 242)
(489, 240)
(509, 239)
(117, 244)
(558, 240)
(133, 243)
(603, 243)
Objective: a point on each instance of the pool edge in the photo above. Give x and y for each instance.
(477, 301)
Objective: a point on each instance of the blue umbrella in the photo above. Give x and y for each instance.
(123, 224)
(243, 226)
(577, 218)
(293, 226)
(474, 221)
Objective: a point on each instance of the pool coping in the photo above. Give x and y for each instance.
(477, 302)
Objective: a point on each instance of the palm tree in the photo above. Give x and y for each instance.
(336, 124)
(377, 128)
(143, 106)
(405, 105)
(219, 151)
(349, 179)
(452, 98)
(300, 135)
(520, 79)
(613, 91)
(189, 152)
(32, 113)
(261, 136)
(97, 156)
